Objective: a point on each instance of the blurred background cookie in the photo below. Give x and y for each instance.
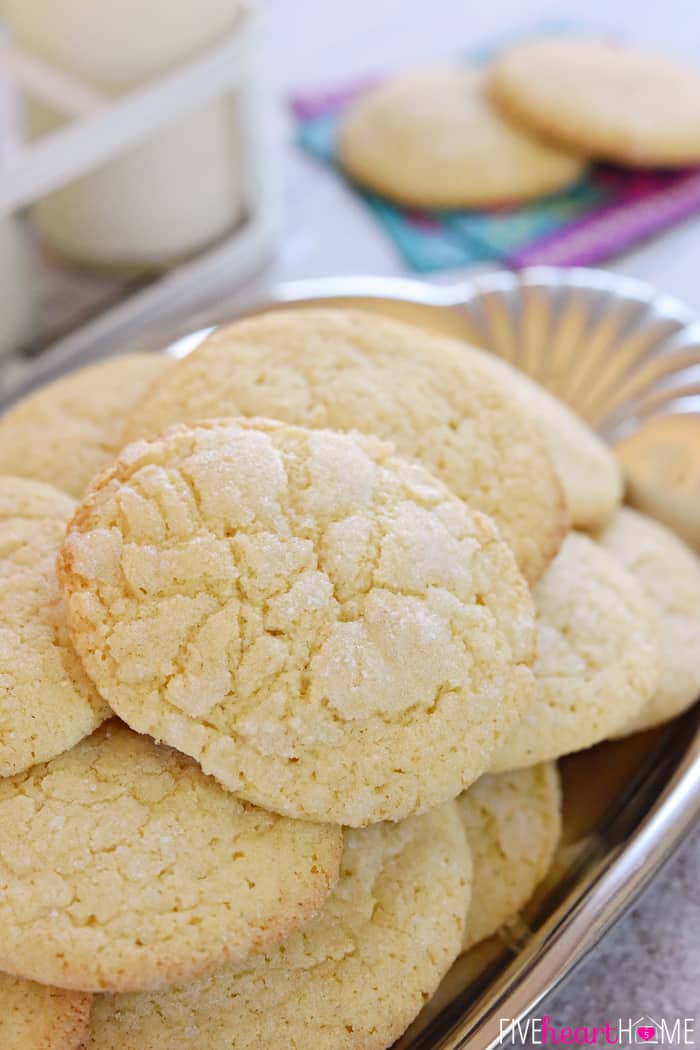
(432, 139)
(609, 101)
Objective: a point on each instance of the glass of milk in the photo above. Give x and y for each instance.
(173, 194)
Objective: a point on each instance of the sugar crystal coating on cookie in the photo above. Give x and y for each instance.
(123, 867)
(323, 625)
(47, 702)
(353, 979)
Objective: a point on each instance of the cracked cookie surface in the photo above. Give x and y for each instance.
(513, 824)
(47, 702)
(597, 656)
(348, 370)
(327, 629)
(36, 1017)
(353, 979)
(123, 867)
(67, 431)
(669, 572)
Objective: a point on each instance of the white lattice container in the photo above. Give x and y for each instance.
(96, 145)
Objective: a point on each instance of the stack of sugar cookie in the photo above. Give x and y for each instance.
(282, 694)
(524, 125)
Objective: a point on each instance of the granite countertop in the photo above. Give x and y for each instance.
(650, 962)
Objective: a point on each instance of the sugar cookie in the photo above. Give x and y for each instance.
(47, 703)
(606, 100)
(66, 431)
(597, 656)
(350, 370)
(589, 471)
(324, 626)
(433, 139)
(35, 1017)
(669, 572)
(123, 867)
(354, 979)
(513, 824)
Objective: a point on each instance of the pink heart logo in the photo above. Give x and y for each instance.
(646, 1033)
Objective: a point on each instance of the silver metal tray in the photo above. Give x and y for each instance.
(628, 359)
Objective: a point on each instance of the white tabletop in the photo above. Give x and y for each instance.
(650, 963)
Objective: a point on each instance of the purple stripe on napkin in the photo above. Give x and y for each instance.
(311, 107)
(605, 231)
